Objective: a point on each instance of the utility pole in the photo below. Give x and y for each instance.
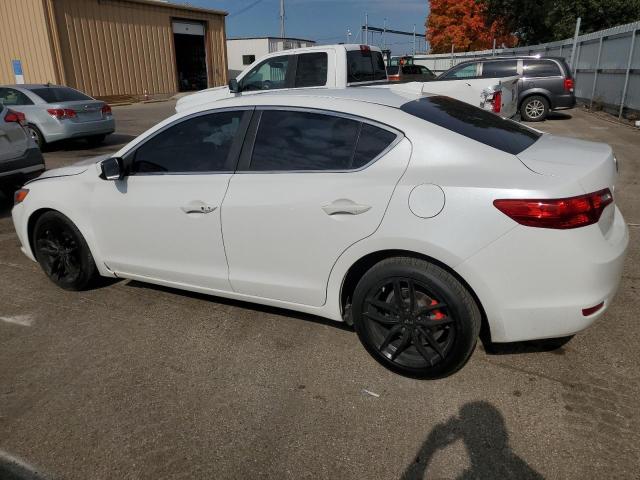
(384, 35)
(282, 33)
(575, 41)
(414, 39)
(366, 29)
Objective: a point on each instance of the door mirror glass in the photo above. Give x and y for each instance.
(233, 86)
(112, 168)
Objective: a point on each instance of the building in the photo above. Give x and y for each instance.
(113, 47)
(244, 51)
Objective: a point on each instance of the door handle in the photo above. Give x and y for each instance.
(345, 206)
(197, 207)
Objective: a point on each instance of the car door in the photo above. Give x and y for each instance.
(162, 221)
(309, 185)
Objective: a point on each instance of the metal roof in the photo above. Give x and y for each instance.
(180, 6)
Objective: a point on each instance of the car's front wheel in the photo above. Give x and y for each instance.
(416, 318)
(62, 252)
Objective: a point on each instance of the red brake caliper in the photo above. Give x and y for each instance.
(436, 314)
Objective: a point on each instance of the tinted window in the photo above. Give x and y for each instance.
(541, 68)
(505, 68)
(371, 143)
(270, 74)
(393, 70)
(248, 59)
(473, 122)
(466, 71)
(311, 70)
(60, 94)
(199, 144)
(11, 97)
(365, 66)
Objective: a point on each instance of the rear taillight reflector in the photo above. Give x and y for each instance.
(106, 109)
(17, 117)
(591, 310)
(496, 102)
(568, 84)
(559, 213)
(61, 113)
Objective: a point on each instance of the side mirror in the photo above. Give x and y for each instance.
(233, 86)
(112, 169)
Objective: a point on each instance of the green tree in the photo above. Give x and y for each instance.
(548, 20)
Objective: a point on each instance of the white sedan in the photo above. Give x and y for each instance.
(416, 219)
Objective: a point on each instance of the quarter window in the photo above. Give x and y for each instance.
(270, 74)
(303, 141)
(541, 68)
(199, 144)
(311, 70)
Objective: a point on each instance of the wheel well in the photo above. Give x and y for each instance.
(535, 94)
(31, 224)
(358, 269)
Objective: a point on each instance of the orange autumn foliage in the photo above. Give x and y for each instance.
(463, 24)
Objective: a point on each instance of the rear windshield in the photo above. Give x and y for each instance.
(473, 122)
(59, 94)
(365, 66)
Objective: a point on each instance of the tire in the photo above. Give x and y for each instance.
(96, 140)
(431, 336)
(534, 108)
(36, 134)
(62, 252)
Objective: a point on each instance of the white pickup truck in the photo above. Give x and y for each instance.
(341, 66)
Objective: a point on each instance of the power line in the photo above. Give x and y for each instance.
(244, 9)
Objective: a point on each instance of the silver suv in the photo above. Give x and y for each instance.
(546, 83)
(20, 157)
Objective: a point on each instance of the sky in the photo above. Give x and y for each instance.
(325, 21)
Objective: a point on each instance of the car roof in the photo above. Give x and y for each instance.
(31, 86)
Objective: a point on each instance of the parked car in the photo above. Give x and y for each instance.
(546, 83)
(56, 113)
(416, 218)
(20, 157)
(346, 66)
(409, 73)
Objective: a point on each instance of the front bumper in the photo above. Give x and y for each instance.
(533, 282)
(21, 169)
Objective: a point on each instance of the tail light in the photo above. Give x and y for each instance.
(106, 109)
(497, 102)
(394, 78)
(20, 195)
(559, 213)
(591, 310)
(569, 84)
(61, 113)
(17, 117)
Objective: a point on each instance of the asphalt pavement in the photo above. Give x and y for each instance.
(133, 381)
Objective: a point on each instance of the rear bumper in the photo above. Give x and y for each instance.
(564, 101)
(533, 283)
(64, 129)
(21, 169)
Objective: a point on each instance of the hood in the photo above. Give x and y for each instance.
(591, 164)
(198, 98)
(71, 170)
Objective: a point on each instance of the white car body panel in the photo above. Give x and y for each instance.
(284, 251)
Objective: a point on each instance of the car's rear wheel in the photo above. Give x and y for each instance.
(534, 108)
(415, 318)
(35, 133)
(62, 252)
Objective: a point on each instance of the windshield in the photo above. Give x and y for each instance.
(60, 94)
(473, 122)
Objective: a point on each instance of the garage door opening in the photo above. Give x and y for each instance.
(191, 56)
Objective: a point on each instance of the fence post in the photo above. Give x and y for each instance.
(575, 41)
(577, 60)
(595, 74)
(626, 77)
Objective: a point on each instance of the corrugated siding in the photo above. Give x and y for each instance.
(116, 47)
(24, 36)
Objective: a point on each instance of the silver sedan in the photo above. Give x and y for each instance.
(56, 113)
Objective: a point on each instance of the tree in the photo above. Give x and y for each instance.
(548, 20)
(463, 23)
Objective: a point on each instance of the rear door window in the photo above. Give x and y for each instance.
(60, 94)
(541, 68)
(365, 66)
(473, 122)
(499, 69)
(466, 71)
(311, 70)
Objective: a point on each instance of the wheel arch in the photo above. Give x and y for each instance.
(362, 265)
(535, 92)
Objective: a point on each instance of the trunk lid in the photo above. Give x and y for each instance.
(591, 164)
(86, 111)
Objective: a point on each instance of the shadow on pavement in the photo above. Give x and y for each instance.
(559, 116)
(13, 469)
(553, 345)
(71, 145)
(482, 429)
